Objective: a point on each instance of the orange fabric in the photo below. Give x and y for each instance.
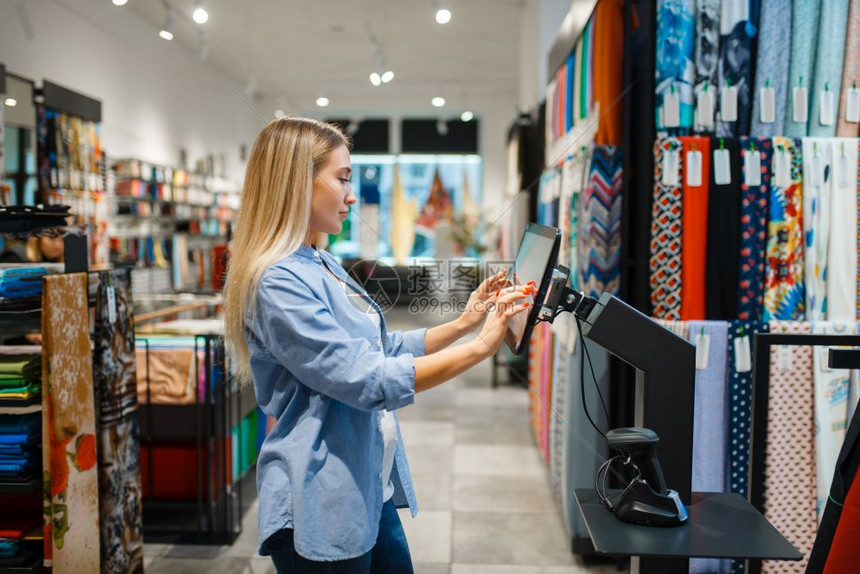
(694, 232)
(608, 65)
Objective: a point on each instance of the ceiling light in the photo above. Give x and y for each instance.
(467, 116)
(443, 16)
(200, 15)
(120, 2)
(375, 79)
(387, 77)
(438, 101)
(279, 114)
(11, 102)
(322, 102)
(166, 32)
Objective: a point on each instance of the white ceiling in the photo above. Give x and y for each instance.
(292, 51)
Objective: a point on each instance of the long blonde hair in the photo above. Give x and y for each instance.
(274, 217)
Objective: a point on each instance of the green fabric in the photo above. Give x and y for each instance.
(583, 84)
(30, 389)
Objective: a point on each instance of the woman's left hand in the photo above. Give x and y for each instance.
(476, 306)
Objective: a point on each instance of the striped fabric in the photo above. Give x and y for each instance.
(600, 234)
(665, 261)
(754, 207)
(850, 69)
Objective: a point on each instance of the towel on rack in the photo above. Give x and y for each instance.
(754, 211)
(772, 65)
(829, 57)
(665, 259)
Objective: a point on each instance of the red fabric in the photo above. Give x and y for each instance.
(844, 555)
(694, 232)
(174, 474)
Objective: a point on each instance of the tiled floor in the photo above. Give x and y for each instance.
(483, 491)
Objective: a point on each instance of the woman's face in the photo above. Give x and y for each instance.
(51, 247)
(332, 193)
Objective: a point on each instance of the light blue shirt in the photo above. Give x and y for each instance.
(325, 370)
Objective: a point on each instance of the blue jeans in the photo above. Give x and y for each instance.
(390, 555)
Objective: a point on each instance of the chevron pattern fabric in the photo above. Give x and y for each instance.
(600, 234)
(665, 261)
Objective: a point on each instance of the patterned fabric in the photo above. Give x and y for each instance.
(842, 252)
(680, 328)
(772, 65)
(120, 518)
(789, 469)
(545, 389)
(850, 69)
(557, 428)
(804, 39)
(707, 51)
(737, 43)
(828, 63)
(754, 204)
(784, 288)
(665, 261)
(600, 235)
(723, 237)
(573, 177)
(694, 231)
(71, 527)
(817, 175)
(675, 69)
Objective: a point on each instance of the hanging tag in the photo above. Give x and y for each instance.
(743, 357)
(852, 108)
(671, 109)
(768, 105)
(671, 165)
(703, 345)
(800, 109)
(783, 358)
(782, 169)
(705, 108)
(827, 109)
(111, 303)
(693, 168)
(752, 168)
(816, 175)
(729, 104)
(722, 170)
(842, 169)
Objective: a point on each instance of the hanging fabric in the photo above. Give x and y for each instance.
(71, 506)
(738, 21)
(817, 175)
(707, 53)
(573, 177)
(772, 65)
(784, 297)
(842, 248)
(846, 539)
(588, 67)
(789, 469)
(754, 210)
(557, 426)
(804, 40)
(723, 237)
(694, 226)
(403, 214)
(600, 235)
(115, 383)
(665, 260)
(579, 110)
(850, 72)
(828, 68)
(609, 61)
(369, 239)
(569, 67)
(545, 389)
(675, 69)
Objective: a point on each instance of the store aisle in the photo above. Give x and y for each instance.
(483, 492)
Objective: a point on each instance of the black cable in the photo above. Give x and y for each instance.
(591, 366)
(582, 382)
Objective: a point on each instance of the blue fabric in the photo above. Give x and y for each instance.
(323, 369)
(737, 45)
(828, 63)
(390, 554)
(804, 39)
(675, 66)
(568, 93)
(772, 65)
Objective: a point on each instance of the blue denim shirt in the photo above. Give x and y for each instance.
(325, 371)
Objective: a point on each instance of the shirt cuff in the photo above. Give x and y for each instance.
(398, 381)
(413, 342)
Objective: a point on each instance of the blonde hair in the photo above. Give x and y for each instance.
(274, 217)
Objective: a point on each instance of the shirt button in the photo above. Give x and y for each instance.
(316, 253)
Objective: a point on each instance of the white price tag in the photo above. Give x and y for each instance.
(783, 358)
(671, 110)
(722, 169)
(767, 105)
(705, 108)
(729, 104)
(693, 168)
(111, 303)
(852, 107)
(800, 105)
(752, 168)
(671, 167)
(816, 173)
(782, 169)
(743, 356)
(703, 346)
(827, 110)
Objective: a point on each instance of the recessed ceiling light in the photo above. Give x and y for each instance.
(11, 102)
(467, 116)
(166, 34)
(387, 77)
(438, 101)
(166, 30)
(375, 79)
(200, 15)
(120, 2)
(443, 16)
(322, 102)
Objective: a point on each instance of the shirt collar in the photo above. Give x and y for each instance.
(308, 252)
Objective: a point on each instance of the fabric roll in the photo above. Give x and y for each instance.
(71, 506)
(707, 52)
(723, 237)
(568, 90)
(545, 389)
(675, 69)
(842, 248)
(843, 551)
(600, 225)
(574, 177)
(804, 40)
(680, 328)
(557, 426)
(772, 65)
(817, 176)
(857, 313)
(609, 65)
(789, 470)
(753, 240)
(850, 70)
(578, 88)
(694, 232)
(665, 259)
(738, 21)
(828, 63)
(784, 297)
(588, 66)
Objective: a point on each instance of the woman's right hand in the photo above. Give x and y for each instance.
(505, 305)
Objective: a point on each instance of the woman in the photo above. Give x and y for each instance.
(332, 471)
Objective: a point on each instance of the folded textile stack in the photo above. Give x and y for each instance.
(20, 377)
(20, 282)
(20, 445)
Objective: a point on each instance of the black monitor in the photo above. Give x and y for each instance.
(536, 259)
